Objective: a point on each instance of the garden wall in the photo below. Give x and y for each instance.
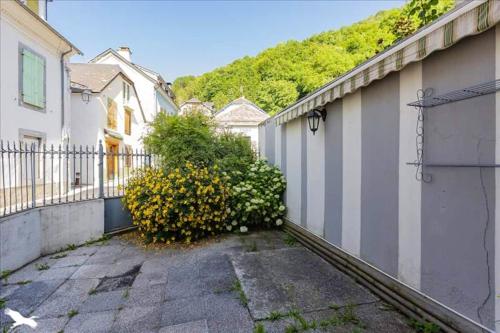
(28, 235)
(350, 183)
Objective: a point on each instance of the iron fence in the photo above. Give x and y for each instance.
(34, 175)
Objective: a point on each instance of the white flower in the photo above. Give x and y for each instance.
(266, 219)
(279, 222)
(234, 223)
(228, 210)
(243, 229)
(229, 228)
(282, 208)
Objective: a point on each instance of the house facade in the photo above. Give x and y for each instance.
(154, 92)
(400, 182)
(194, 104)
(106, 108)
(34, 83)
(242, 116)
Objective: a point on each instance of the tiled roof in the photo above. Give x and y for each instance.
(241, 111)
(94, 76)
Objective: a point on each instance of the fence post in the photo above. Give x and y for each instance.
(33, 176)
(101, 170)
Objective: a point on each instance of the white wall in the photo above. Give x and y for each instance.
(409, 188)
(293, 170)
(250, 131)
(316, 180)
(89, 120)
(351, 169)
(13, 116)
(149, 97)
(497, 180)
(28, 235)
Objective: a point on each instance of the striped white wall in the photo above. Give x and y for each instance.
(497, 185)
(351, 173)
(262, 138)
(277, 146)
(316, 180)
(293, 170)
(410, 80)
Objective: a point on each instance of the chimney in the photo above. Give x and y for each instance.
(125, 52)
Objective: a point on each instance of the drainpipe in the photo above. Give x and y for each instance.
(62, 87)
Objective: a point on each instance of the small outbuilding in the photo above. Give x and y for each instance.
(242, 116)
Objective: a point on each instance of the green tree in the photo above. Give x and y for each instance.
(280, 75)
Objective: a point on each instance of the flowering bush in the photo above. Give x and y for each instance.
(184, 204)
(258, 199)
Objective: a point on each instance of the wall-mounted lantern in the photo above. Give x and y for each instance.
(86, 93)
(313, 119)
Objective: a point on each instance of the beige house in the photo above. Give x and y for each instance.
(242, 116)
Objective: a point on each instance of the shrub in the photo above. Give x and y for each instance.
(235, 155)
(185, 204)
(193, 138)
(179, 139)
(258, 199)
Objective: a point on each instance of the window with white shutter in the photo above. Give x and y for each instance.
(32, 78)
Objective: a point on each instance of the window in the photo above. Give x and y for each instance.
(128, 121)
(32, 78)
(112, 122)
(126, 93)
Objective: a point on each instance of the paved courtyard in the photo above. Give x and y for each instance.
(253, 283)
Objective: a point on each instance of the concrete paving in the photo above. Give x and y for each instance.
(251, 283)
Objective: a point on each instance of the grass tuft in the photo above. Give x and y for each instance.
(42, 267)
(3, 301)
(72, 313)
(22, 283)
(241, 294)
(59, 256)
(424, 326)
(5, 274)
(290, 240)
(259, 328)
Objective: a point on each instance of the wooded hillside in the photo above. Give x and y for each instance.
(280, 75)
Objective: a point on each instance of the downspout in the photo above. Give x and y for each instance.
(62, 87)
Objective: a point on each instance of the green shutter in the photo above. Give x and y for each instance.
(33, 79)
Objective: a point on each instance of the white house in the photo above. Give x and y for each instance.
(153, 91)
(34, 85)
(242, 116)
(105, 108)
(194, 104)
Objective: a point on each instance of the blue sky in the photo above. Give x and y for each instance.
(193, 37)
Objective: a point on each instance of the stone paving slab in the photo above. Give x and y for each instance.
(294, 278)
(199, 326)
(117, 287)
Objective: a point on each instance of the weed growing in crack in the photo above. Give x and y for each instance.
(69, 247)
(290, 240)
(276, 315)
(424, 326)
(22, 283)
(241, 294)
(259, 328)
(126, 293)
(5, 274)
(102, 240)
(3, 301)
(92, 291)
(72, 313)
(59, 256)
(42, 267)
